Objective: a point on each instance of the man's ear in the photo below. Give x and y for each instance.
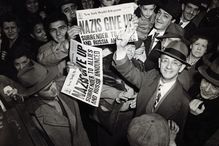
(182, 68)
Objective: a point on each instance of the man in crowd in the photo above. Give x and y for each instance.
(190, 9)
(168, 13)
(69, 7)
(55, 115)
(159, 92)
(55, 52)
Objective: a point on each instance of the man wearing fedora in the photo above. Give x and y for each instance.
(56, 116)
(159, 91)
(168, 12)
(203, 121)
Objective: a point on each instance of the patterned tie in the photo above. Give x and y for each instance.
(157, 99)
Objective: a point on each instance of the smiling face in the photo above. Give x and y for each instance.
(70, 11)
(189, 11)
(208, 90)
(199, 47)
(10, 30)
(162, 20)
(39, 33)
(58, 30)
(147, 10)
(170, 67)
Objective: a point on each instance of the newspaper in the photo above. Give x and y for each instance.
(85, 84)
(101, 26)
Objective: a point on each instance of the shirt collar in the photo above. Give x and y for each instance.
(165, 87)
(184, 23)
(152, 32)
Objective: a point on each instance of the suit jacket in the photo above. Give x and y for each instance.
(151, 61)
(152, 56)
(62, 129)
(190, 30)
(174, 107)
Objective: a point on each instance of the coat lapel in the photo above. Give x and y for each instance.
(70, 115)
(171, 103)
(144, 97)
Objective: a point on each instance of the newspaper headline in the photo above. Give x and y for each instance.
(100, 26)
(85, 82)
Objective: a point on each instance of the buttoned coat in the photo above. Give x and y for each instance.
(175, 106)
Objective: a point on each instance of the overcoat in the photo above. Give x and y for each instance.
(60, 129)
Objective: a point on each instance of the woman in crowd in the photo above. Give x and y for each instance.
(198, 47)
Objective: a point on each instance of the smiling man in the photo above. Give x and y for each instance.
(168, 13)
(159, 91)
(69, 8)
(190, 9)
(55, 52)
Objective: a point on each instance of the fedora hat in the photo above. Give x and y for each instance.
(211, 72)
(177, 50)
(34, 77)
(173, 7)
(148, 130)
(174, 31)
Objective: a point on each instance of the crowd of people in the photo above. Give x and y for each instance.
(161, 90)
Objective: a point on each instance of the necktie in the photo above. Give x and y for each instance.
(180, 23)
(153, 40)
(158, 97)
